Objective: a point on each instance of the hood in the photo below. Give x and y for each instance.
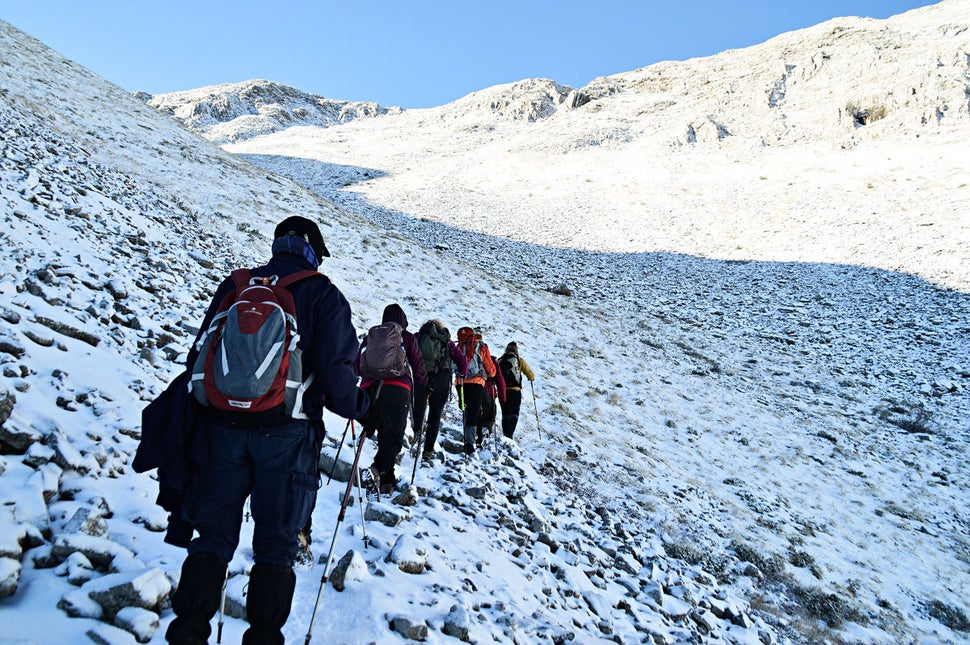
(394, 313)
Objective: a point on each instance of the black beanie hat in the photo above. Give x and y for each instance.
(302, 227)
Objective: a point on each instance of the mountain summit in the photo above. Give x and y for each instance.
(234, 111)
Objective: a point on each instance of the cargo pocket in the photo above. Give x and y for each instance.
(303, 496)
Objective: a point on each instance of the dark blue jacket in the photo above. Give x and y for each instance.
(327, 338)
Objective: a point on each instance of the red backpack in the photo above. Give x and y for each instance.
(249, 362)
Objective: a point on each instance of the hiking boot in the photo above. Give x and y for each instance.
(427, 455)
(370, 480)
(304, 556)
(469, 448)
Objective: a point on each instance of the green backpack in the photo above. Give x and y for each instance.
(433, 341)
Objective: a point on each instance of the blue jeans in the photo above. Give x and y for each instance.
(276, 466)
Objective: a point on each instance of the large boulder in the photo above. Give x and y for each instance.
(148, 589)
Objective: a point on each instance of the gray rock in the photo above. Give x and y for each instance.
(117, 289)
(409, 627)
(706, 621)
(385, 514)
(533, 514)
(88, 522)
(10, 539)
(350, 568)
(545, 538)
(38, 454)
(9, 576)
(78, 604)
(407, 497)
(18, 439)
(99, 551)
(458, 623)
(141, 623)
(7, 402)
(146, 589)
(627, 563)
(409, 554)
(340, 468)
(77, 569)
(68, 457)
(12, 349)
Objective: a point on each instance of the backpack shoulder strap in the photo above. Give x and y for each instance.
(296, 276)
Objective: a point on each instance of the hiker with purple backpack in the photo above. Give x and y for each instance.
(389, 372)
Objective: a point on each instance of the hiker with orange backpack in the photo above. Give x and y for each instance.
(471, 385)
(392, 389)
(494, 389)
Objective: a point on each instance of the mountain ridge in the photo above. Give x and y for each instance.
(774, 102)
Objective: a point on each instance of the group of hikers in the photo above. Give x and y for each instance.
(276, 346)
(433, 360)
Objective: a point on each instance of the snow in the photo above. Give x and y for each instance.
(754, 403)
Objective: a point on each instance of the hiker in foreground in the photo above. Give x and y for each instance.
(471, 385)
(513, 367)
(389, 359)
(439, 353)
(264, 426)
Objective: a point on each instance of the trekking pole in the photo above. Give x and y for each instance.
(222, 608)
(360, 497)
(496, 441)
(536, 406)
(333, 543)
(342, 438)
(417, 453)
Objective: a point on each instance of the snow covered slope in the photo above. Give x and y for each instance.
(736, 445)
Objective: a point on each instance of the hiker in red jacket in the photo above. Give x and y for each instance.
(494, 388)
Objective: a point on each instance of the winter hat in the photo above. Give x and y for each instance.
(307, 229)
(394, 313)
(512, 348)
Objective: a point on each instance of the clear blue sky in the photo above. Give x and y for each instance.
(411, 53)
